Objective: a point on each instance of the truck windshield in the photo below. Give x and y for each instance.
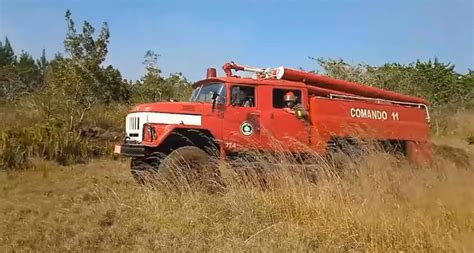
(204, 93)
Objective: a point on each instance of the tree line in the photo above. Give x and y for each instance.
(78, 75)
(436, 81)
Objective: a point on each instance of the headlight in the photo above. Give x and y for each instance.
(149, 133)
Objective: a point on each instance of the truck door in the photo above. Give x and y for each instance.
(241, 124)
(284, 128)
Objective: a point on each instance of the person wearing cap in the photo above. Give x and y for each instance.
(242, 100)
(291, 106)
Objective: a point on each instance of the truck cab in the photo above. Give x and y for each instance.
(228, 115)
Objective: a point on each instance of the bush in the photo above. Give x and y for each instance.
(18, 145)
(16, 148)
(107, 117)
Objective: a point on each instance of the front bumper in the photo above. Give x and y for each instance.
(131, 150)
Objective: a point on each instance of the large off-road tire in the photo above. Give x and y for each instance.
(144, 171)
(249, 173)
(190, 168)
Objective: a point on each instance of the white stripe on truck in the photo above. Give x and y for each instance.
(134, 121)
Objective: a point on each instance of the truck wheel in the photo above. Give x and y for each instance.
(143, 172)
(190, 168)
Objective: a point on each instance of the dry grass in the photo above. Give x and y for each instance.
(377, 205)
(453, 123)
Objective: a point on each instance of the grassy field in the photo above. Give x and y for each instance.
(379, 204)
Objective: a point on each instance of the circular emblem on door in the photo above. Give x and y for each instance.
(246, 129)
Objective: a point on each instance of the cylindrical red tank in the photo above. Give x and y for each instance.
(343, 86)
(325, 92)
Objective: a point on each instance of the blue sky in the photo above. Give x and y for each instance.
(193, 35)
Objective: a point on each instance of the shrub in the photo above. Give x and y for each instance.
(18, 145)
(15, 148)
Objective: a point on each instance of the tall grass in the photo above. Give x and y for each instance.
(377, 204)
(452, 122)
(373, 203)
(19, 145)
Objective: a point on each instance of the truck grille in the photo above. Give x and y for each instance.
(134, 123)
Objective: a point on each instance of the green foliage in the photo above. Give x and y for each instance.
(83, 69)
(31, 129)
(69, 91)
(43, 64)
(175, 87)
(7, 55)
(10, 84)
(60, 145)
(29, 73)
(82, 47)
(18, 145)
(79, 82)
(466, 83)
(61, 94)
(18, 77)
(113, 88)
(108, 117)
(436, 81)
(154, 88)
(71, 108)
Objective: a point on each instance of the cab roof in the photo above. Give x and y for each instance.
(247, 80)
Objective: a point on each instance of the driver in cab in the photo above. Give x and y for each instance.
(242, 100)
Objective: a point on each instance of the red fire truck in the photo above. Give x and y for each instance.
(215, 122)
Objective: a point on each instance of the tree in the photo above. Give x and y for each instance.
(151, 63)
(70, 95)
(153, 87)
(85, 54)
(77, 81)
(7, 55)
(176, 87)
(10, 85)
(114, 88)
(19, 76)
(467, 83)
(43, 64)
(149, 89)
(82, 47)
(28, 71)
(436, 81)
